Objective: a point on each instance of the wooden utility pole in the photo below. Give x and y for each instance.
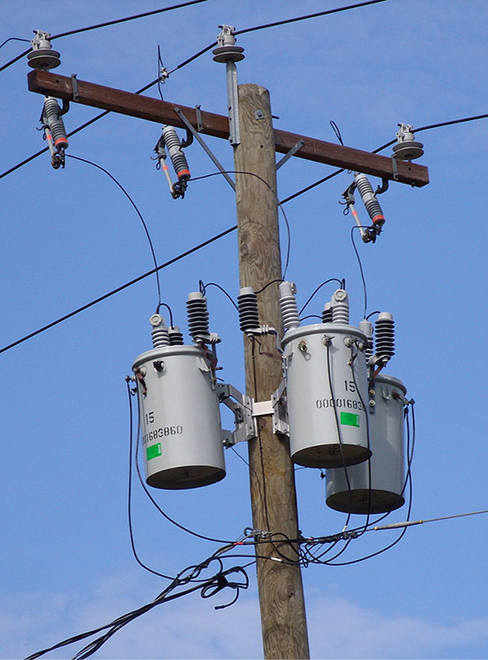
(273, 498)
(271, 471)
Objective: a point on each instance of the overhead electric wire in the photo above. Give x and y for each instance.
(118, 289)
(384, 146)
(135, 207)
(191, 575)
(73, 132)
(13, 39)
(287, 21)
(179, 66)
(106, 24)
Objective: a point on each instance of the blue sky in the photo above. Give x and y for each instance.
(70, 236)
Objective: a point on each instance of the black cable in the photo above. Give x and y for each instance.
(332, 279)
(221, 289)
(146, 230)
(73, 132)
(287, 224)
(430, 126)
(128, 18)
(13, 39)
(106, 24)
(312, 185)
(267, 285)
(384, 146)
(146, 490)
(129, 492)
(207, 587)
(118, 289)
(363, 280)
(303, 18)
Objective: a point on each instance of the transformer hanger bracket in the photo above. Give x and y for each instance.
(246, 411)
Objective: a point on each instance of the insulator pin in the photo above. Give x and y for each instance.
(288, 306)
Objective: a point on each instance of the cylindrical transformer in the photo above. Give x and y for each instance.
(326, 393)
(180, 418)
(385, 469)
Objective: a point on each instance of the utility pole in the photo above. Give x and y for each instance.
(271, 470)
(272, 479)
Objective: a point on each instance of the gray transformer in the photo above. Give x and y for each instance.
(180, 417)
(385, 469)
(325, 371)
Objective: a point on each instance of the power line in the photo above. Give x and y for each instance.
(408, 523)
(304, 18)
(73, 132)
(179, 66)
(128, 18)
(118, 289)
(101, 25)
(441, 124)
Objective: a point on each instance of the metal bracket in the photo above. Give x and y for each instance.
(280, 410)
(74, 83)
(241, 406)
(291, 153)
(233, 103)
(246, 410)
(207, 150)
(394, 166)
(198, 110)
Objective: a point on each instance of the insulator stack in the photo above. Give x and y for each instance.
(176, 154)
(327, 313)
(248, 309)
(51, 118)
(288, 306)
(198, 323)
(385, 337)
(175, 336)
(159, 331)
(369, 199)
(340, 307)
(367, 327)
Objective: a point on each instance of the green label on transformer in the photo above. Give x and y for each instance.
(349, 419)
(153, 451)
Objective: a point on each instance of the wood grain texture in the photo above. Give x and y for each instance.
(273, 495)
(162, 112)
